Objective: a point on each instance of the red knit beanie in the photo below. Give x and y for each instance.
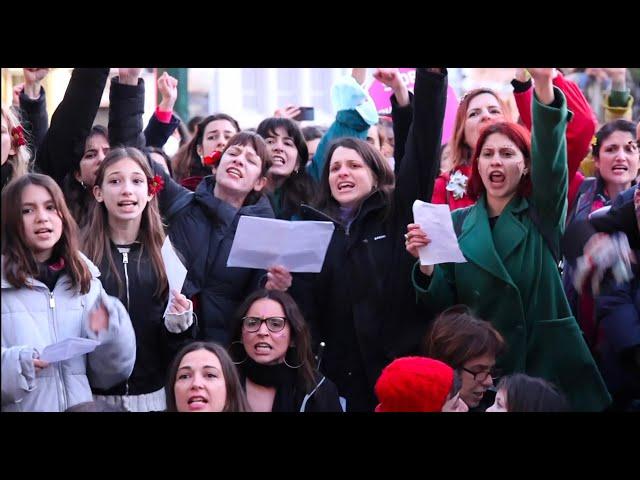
(414, 384)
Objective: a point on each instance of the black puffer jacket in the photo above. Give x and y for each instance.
(63, 145)
(362, 304)
(202, 228)
(34, 119)
(155, 345)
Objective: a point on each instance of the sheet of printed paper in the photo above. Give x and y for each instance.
(176, 272)
(265, 242)
(68, 348)
(435, 221)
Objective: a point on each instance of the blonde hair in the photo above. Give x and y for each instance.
(20, 160)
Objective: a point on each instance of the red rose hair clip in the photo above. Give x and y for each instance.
(156, 184)
(213, 159)
(17, 136)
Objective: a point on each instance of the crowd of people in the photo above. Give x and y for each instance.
(544, 315)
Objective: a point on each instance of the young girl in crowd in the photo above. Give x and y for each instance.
(202, 227)
(124, 238)
(522, 393)
(51, 292)
(289, 183)
(199, 158)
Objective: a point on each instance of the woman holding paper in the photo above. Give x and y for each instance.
(202, 227)
(124, 238)
(359, 304)
(51, 293)
(511, 277)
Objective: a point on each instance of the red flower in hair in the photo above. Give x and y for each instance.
(213, 159)
(156, 184)
(17, 136)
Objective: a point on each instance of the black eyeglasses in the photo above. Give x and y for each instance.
(253, 324)
(482, 376)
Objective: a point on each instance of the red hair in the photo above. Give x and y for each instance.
(518, 135)
(460, 151)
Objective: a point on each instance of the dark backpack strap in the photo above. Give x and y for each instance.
(587, 184)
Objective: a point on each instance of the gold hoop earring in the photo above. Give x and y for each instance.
(231, 355)
(287, 363)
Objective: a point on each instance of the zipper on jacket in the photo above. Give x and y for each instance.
(58, 367)
(125, 261)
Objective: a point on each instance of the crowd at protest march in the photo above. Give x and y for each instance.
(445, 255)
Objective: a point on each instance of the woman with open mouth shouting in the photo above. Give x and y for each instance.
(124, 239)
(359, 304)
(202, 226)
(510, 239)
(272, 344)
(201, 379)
(617, 161)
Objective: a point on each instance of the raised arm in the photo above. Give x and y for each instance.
(63, 145)
(126, 107)
(421, 162)
(618, 102)
(33, 104)
(580, 129)
(401, 110)
(549, 150)
(163, 122)
(349, 122)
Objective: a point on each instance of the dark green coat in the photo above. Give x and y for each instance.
(511, 277)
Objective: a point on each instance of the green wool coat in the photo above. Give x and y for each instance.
(511, 277)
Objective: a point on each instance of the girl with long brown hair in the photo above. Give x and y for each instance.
(124, 238)
(51, 293)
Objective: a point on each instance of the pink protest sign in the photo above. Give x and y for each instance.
(381, 95)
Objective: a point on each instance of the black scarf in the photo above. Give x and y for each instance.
(50, 271)
(279, 376)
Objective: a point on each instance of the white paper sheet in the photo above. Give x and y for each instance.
(265, 242)
(68, 348)
(436, 222)
(176, 272)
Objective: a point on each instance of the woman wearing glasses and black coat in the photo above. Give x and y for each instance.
(272, 349)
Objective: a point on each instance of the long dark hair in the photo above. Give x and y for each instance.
(95, 236)
(236, 399)
(300, 335)
(79, 197)
(373, 159)
(532, 394)
(19, 261)
(187, 158)
(608, 129)
(298, 187)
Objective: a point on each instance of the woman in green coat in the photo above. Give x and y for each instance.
(508, 238)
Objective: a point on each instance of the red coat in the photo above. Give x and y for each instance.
(442, 196)
(580, 129)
